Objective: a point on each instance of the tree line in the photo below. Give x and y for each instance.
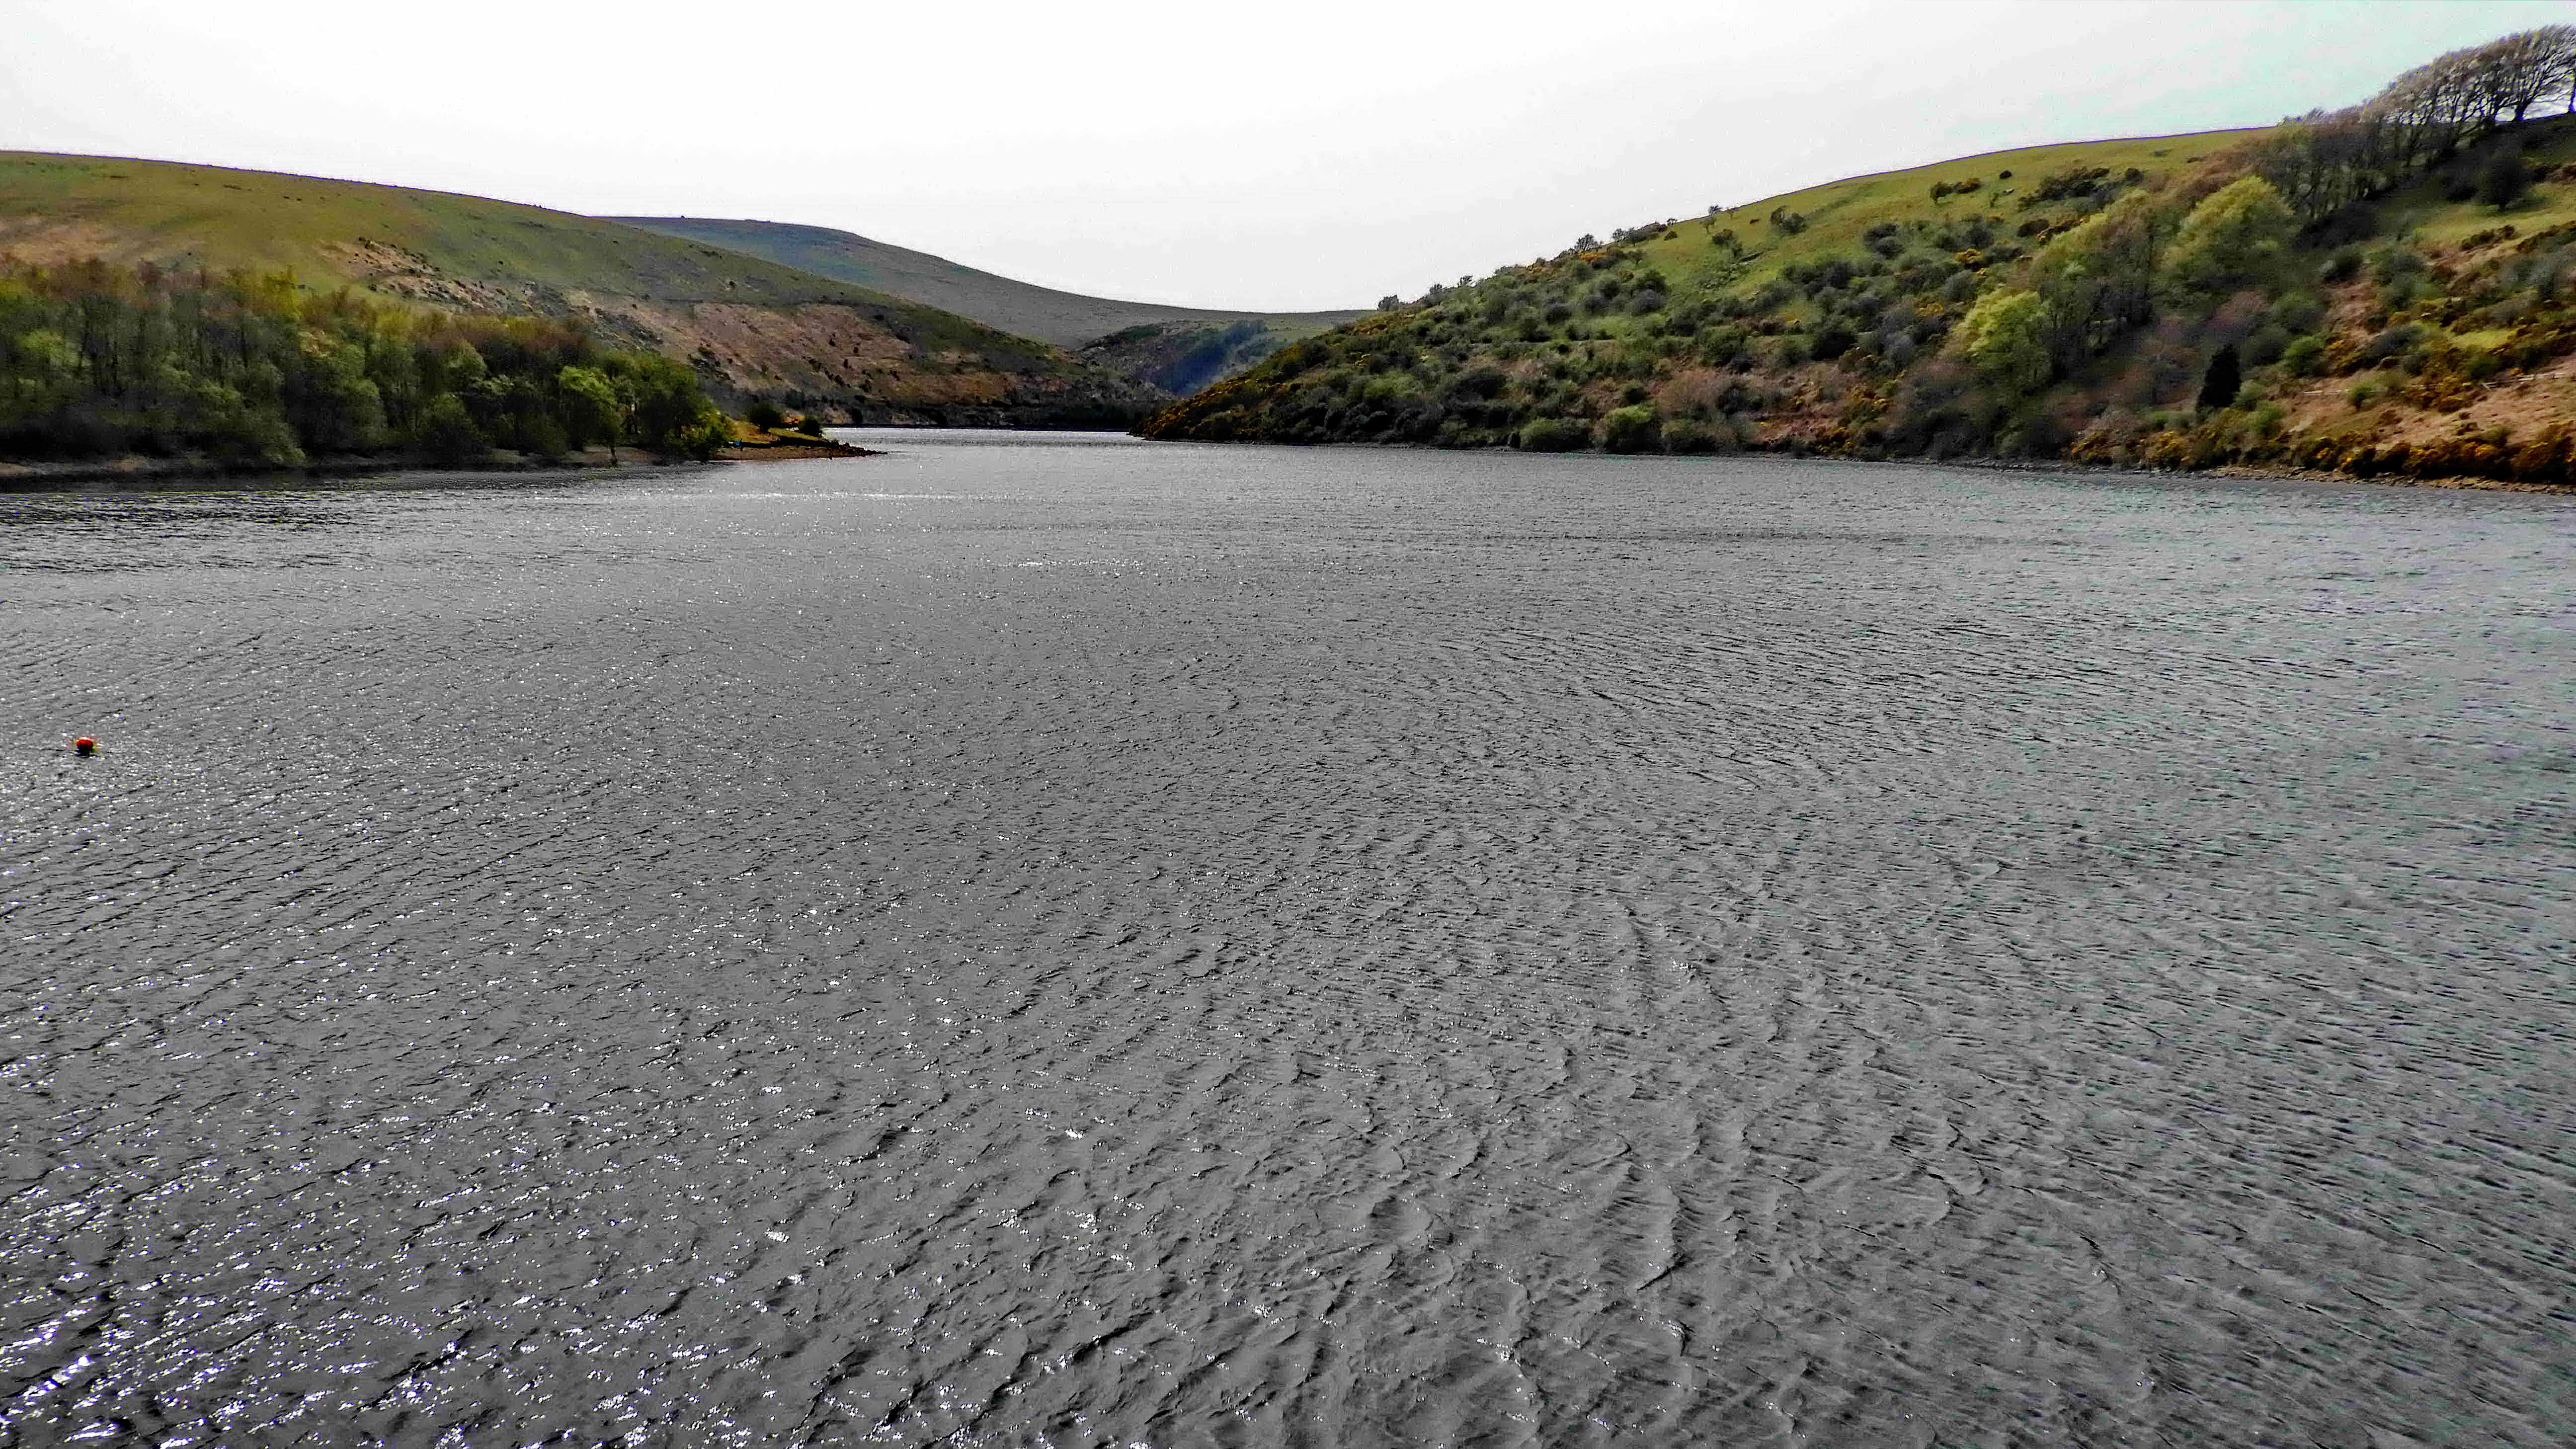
(2324, 163)
(99, 360)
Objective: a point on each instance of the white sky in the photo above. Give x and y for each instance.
(1297, 153)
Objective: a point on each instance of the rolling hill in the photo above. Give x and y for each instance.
(751, 327)
(2386, 290)
(1178, 349)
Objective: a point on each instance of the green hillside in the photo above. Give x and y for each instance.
(2389, 289)
(1177, 349)
(751, 327)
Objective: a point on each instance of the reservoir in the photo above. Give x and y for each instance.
(1054, 940)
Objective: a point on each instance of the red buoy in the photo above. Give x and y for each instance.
(84, 746)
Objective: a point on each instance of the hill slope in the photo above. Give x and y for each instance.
(751, 327)
(1179, 349)
(2388, 290)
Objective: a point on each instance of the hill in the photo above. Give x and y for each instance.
(2389, 289)
(1178, 349)
(750, 327)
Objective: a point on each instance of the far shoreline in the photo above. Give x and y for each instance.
(2240, 472)
(20, 475)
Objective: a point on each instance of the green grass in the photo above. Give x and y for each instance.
(2422, 211)
(1838, 212)
(1066, 319)
(55, 207)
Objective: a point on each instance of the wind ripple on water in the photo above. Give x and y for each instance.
(1353, 948)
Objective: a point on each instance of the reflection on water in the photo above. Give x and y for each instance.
(1035, 941)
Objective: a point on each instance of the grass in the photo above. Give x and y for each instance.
(331, 233)
(1066, 319)
(1839, 212)
(2422, 211)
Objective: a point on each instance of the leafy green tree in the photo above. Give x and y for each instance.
(96, 358)
(2231, 239)
(593, 412)
(667, 411)
(2005, 338)
(448, 433)
(2099, 279)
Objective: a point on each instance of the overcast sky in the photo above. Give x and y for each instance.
(1312, 153)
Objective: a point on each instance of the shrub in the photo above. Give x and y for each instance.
(1551, 435)
(2391, 344)
(2305, 356)
(1688, 435)
(2300, 311)
(2503, 179)
(1630, 430)
(765, 414)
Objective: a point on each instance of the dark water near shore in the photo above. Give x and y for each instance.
(1074, 942)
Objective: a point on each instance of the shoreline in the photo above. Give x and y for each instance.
(19, 475)
(2247, 472)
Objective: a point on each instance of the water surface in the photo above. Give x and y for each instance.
(1066, 941)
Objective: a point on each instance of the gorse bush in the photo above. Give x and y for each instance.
(97, 359)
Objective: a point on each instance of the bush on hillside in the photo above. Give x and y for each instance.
(1551, 435)
(1631, 430)
(1689, 435)
(2503, 179)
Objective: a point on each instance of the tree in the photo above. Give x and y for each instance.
(2232, 237)
(2224, 376)
(2004, 337)
(448, 434)
(2099, 279)
(593, 412)
(2503, 179)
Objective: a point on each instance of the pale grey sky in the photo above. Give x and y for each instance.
(1313, 154)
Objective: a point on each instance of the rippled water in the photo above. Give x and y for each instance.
(1038, 941)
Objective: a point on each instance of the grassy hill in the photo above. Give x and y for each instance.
(751, 327)
(1179, 349)
(2258, 297)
